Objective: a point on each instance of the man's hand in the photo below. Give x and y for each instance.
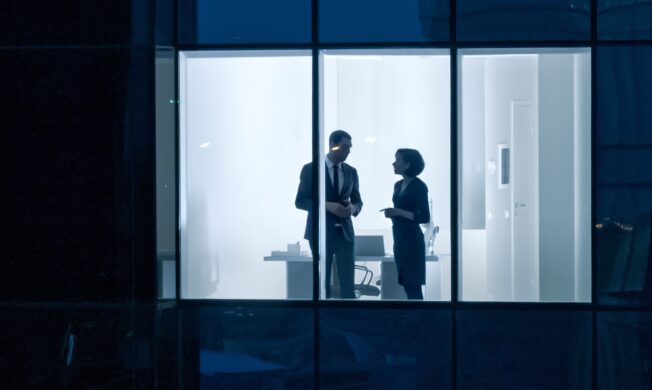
(339, 210)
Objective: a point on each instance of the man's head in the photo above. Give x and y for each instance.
(339, 146)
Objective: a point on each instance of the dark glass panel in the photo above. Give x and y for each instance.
(244, 21)
(624, 350)
(383, 20)
(523, 20)
(167, 346)
(73, 347)
(77, 164)
(624, 19)
(66, 22)
(384, 348)
(166, 164)
(523, 350)
(164, 33)
(623, 192)
(247, 348)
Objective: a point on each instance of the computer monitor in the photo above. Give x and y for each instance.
(369, 246)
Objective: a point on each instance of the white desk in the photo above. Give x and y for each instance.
(299, 274)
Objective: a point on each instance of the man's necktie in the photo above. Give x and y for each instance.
(336, 181)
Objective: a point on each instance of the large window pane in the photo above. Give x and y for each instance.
(383, 20)
(623, 191)
(624, 19)
(519, 20)
(244, 21)
(525, 170)
(247, 348)
(523, 350)
(245, 132)
(386, 100)
(371, 349)
(624, 350)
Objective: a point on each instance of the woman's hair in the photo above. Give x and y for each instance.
(413, 157)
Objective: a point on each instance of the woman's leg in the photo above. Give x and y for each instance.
(413, 291)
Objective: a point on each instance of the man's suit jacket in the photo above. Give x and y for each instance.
(350, 192)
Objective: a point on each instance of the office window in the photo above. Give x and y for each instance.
(239, 22)
(525, 172)
(623, 192)
(500, 349)
(245, 131)
(247, 348)
(624, 19)
(519, 20)
(371, 349)
(624, 350)
(386, 100)
(383, 20)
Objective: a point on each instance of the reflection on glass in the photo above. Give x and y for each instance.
(245, 133)
(623, 156)
(518, 20)
(247, 348)
(624, 19)
(369, 349)
(386, 100)
(526, 238)
(383, 20)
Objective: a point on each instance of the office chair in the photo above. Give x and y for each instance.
(365, 287)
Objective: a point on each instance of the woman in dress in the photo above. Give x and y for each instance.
(410, 209)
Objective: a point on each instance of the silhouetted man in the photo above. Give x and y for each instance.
(342, 201)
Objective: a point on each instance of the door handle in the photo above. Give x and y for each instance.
(517, 205)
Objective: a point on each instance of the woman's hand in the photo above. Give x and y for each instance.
(391, 212)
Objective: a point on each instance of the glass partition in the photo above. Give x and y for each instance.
(386, 100)
(245, 131)
(525, 171)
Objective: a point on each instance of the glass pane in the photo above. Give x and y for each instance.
(523, 350)
(623, 158)
(624, 350)
(525, 169)
(519, 20)
(244, 21)
(247, 348)
(386, 100)
(76, 348)
(245, 132)
(75, 22)
(383, 20)
(166, 192)
(368, 349)
(72, 204)
(624, 19)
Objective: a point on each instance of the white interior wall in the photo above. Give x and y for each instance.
(507, 79)
(582, 153)
(473, 253)
(246, 129)
(556, 177)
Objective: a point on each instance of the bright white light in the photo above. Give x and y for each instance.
(370, 140)
(205, 145)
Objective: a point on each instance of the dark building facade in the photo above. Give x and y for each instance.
(82, 304)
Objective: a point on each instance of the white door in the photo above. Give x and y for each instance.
(524, 180)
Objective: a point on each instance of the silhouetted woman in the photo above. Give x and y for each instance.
(410, 209)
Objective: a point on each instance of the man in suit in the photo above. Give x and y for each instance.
(342, 201)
